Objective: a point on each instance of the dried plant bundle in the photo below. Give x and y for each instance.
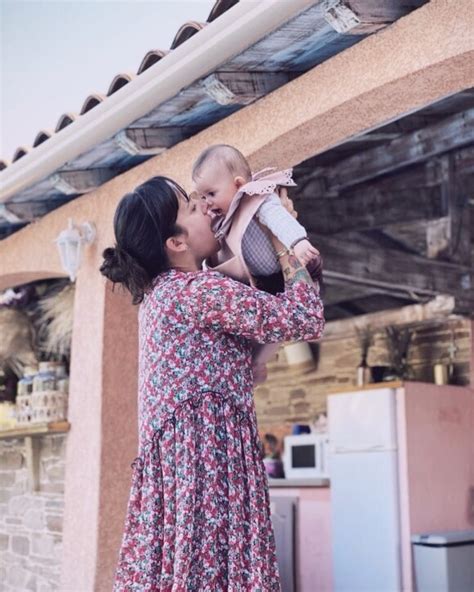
(364, 337)
(16, 340)
(398, 343)
(55, 321)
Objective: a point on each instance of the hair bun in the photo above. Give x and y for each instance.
(122, 268)
(115, 265)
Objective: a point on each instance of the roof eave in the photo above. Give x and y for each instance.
(239, 28)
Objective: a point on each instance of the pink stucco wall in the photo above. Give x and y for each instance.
(103, 438)
(436, 462)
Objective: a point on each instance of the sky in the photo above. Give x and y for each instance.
(53, 54)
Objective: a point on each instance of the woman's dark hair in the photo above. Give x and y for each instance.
(143, 221)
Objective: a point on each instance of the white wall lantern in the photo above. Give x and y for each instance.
(70, 244)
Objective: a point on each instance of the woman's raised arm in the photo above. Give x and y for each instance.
(219, 303)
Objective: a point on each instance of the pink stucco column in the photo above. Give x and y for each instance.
(102, 441)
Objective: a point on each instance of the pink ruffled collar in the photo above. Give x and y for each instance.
(262, 183)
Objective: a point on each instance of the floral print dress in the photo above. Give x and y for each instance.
(198, 517)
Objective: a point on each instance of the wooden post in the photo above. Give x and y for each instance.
(32, 446)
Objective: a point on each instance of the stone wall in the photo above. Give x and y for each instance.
(289, 396)
(31, 522)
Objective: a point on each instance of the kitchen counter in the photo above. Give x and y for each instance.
(311, 499)
(298, 482)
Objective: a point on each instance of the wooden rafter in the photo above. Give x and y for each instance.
(373, 206)
(421, 145)
(440, 307)
(77, 182)
(393, 269)
(150, 141)
(228, 88)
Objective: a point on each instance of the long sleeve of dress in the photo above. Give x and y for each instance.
(225, 305)
(281, 223)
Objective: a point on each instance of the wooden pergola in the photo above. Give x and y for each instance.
(392, 211)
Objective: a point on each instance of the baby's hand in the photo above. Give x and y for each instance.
(286, 202)
(305, 251)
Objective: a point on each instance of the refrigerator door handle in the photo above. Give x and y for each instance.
(377, 448)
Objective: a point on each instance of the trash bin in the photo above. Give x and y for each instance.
(444, 561)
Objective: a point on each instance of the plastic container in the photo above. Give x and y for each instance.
(62, 379)
(444, 561)
(48, 403)
(24, 411)
(45, 380)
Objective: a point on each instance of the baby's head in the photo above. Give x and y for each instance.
(218, 173)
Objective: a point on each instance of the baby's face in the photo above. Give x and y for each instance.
(216, 186)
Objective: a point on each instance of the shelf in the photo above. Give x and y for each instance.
(366, 387)
(31, 435)
(36, 429)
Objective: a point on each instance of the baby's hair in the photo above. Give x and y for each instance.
(233, 159)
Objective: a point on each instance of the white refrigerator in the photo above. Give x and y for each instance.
(364, 491)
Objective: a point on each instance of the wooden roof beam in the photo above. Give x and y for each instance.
(440, 307)
(395, 270)
(228, 88)
(338, 291)
(358, 17)
(455, 196)
(374, 206)
(148, 141)
(435, 192)
(447, 135)
(77, 182)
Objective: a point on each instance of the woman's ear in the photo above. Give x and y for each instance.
(176, 244)
(239, 181)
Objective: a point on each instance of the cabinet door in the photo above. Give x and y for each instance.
(283, 510)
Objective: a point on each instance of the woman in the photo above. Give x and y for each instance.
(198, 516)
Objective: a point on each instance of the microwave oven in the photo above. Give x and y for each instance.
(306, 456)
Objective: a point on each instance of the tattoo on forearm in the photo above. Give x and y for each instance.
(294, 272)
(299, 276)
(293, 261)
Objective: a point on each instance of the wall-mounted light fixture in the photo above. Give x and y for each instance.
(70, 244)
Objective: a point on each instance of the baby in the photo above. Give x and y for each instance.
(243, 207)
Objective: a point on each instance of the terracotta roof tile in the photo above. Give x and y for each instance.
(65, 120)
(91, 102)
(186, 32)
(118, 82)
(20, 153)
(41, 137)
(219, 8)
(152, 57)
